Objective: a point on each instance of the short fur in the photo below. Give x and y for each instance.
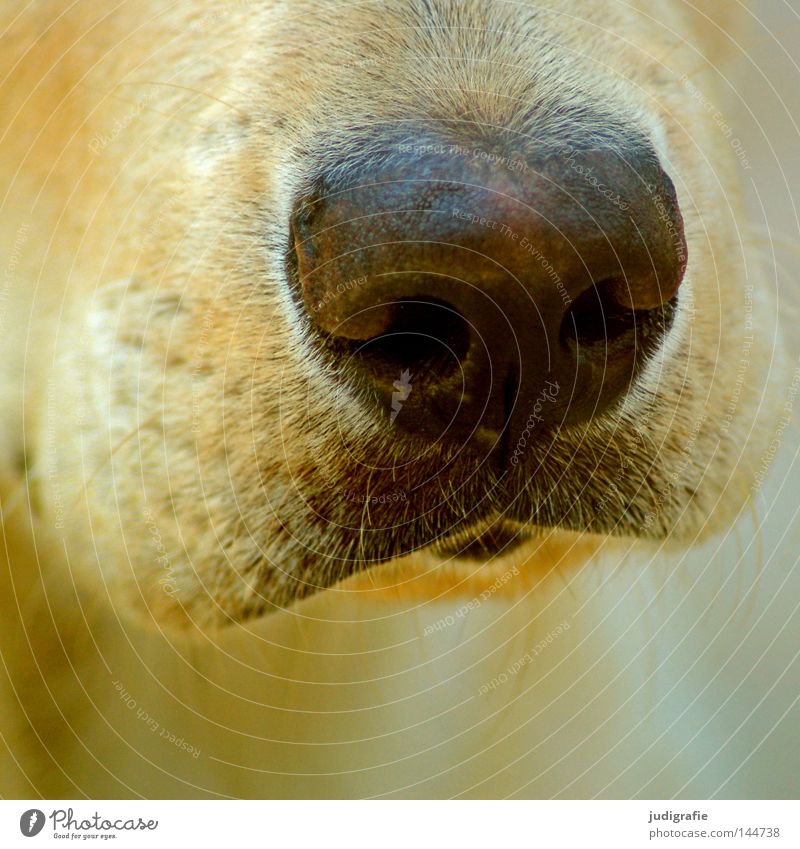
(175, 441)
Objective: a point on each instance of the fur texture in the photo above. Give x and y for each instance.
(174, 443)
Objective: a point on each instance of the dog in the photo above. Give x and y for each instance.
(383, 413)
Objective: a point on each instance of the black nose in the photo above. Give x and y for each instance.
(463, 290)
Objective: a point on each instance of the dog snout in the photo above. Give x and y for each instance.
(476, 283)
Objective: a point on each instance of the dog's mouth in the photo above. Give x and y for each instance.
(484, 543)
(480, 326)
(475, 499)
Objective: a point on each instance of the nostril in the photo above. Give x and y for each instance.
(597, 316)
(599, 319)
(426, 337)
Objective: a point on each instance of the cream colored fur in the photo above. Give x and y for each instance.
(164, 487)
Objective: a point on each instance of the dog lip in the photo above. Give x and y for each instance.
(497, 540)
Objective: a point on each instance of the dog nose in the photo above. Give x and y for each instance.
(457, 288)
